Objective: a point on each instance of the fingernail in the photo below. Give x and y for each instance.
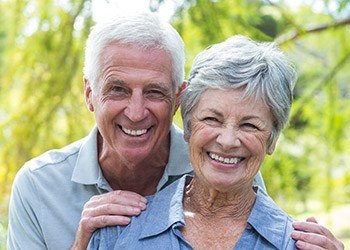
(300, 244)
(295, 234)
(143, 199)
(295, 224)
(142, 205)
(136, 210)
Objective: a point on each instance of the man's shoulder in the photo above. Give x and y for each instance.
(53, 157)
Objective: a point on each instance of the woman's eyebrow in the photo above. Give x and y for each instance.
(214, 111)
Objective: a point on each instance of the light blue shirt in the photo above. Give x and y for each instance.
(268, 227)
(49, 191)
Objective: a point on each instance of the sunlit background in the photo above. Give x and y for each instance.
(41, 90)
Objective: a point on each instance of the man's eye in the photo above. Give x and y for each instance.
(154, 93)
(118, 89)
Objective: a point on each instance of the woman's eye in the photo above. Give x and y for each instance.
(210, 119)
(250, 126)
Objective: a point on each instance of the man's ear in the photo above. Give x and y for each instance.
(178, 95)
(88, 95)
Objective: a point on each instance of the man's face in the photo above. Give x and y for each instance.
(133, 101)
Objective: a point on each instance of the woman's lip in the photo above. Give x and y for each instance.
(225, 159)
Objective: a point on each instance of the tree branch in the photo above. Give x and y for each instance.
(318, 28)
(312, 91)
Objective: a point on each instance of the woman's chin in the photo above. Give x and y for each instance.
(223, 184)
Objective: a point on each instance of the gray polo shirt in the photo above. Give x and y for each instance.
(49, 191)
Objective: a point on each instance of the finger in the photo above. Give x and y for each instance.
(312, 228)
(90, 224)
(312, 219)
(121, 193)
(306, 246)
(111, 209)
(130, 195)
(118, 197)
(308, 240)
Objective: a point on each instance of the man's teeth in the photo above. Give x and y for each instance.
(134, 132)
(233, 160)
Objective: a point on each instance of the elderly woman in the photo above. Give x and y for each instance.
(237, 102)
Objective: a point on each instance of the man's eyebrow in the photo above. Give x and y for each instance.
(116, 82)
(159, 85)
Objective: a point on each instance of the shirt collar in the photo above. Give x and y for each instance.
(179, 161)
(165, 209)
(178, 153)
(87, 170)
(273, 224)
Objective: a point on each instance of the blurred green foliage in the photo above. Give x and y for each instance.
(41, 91)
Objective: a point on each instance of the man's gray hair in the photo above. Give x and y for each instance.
(144, 30)
(261, 68)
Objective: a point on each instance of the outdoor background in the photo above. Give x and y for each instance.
(41, 88)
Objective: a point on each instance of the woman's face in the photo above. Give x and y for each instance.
(229, 137)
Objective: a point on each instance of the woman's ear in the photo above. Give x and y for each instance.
(88, 95)
(186, 137)
(178, 95)
(271, 148)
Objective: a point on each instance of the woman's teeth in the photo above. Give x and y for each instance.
(232, 160)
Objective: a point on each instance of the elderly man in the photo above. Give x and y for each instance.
(133, 78)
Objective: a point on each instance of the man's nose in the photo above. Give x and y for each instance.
(136, 110)
(228, 138)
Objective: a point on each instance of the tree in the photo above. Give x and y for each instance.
(41, 91)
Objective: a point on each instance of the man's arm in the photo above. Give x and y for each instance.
(110, 209)
(311, 235)
(24, 230)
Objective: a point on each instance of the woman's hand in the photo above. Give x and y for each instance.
(109, 209)
(311, 235)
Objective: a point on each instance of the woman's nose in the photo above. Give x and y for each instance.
(228, 138)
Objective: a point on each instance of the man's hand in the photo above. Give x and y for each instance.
(311, 235)
(110, 209)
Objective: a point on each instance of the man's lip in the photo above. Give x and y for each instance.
(134, 131)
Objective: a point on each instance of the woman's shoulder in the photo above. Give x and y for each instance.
(271, 222)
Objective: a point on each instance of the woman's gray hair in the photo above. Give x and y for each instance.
(260, 67)
(144, 30)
